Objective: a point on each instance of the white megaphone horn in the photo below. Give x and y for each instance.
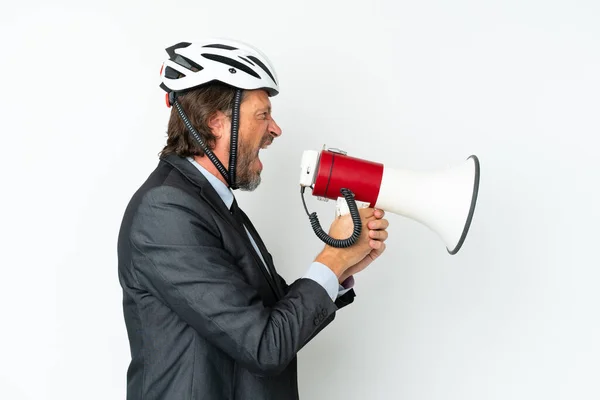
(442, 200)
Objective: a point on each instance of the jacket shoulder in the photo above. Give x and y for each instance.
(166, 188)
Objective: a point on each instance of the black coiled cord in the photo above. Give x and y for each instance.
(196, 136)
(321, 234)
(235, 125)
(229, 176)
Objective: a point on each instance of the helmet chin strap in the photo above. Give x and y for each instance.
(229, 176)
(235, 125)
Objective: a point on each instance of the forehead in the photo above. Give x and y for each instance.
(256, 99)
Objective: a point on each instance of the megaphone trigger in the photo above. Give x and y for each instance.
(341, 207)
(321, 234)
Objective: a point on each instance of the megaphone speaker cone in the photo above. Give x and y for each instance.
(442, 200)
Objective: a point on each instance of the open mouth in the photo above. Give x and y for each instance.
(263, 146)
(266, 143)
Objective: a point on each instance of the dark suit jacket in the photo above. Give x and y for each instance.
(205, 320)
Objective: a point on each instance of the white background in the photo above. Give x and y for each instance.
(418, 85)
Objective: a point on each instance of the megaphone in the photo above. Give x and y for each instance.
(443, 200)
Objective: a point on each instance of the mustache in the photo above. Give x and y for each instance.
(268, 139)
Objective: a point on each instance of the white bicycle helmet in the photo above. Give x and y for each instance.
(225, 60)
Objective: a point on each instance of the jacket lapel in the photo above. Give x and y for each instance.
(265, 253)
(208, 193)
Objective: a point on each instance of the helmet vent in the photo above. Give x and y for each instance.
(232, 63)
(221, 46)
(263, 66)
(187, 63)
(248, 61)
(173, 74)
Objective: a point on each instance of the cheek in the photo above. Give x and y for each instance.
(258, 133)
(254, 132)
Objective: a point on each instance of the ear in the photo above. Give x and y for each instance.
(218, 123)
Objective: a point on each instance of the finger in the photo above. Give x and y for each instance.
(379, 224)
(380, 235)
(376, 244)
(377, 252)
(379, 213)
(380, 250)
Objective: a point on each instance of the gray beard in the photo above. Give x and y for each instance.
(246, 180)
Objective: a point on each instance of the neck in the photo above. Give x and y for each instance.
(210, 167)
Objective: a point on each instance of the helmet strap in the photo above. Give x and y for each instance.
(196, 136)
(235, 125)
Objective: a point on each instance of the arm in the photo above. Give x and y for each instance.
(323, 275)
(178, 257)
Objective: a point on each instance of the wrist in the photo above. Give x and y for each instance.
(343, 277)
(332, 261)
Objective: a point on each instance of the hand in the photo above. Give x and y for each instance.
(378, 235)
(340, 259)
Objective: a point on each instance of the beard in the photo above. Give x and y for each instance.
(248, 179)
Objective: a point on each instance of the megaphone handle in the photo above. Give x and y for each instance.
(321, 234)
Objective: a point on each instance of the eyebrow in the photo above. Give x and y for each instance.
(263, 109)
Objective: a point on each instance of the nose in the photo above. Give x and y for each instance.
(274, 129)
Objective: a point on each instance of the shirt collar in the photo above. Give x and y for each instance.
(222, 190)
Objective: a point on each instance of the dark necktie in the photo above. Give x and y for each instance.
(239, 217)
(237, 212)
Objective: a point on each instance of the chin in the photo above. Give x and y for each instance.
(249, 185)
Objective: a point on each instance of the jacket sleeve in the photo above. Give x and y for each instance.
(342, 301)
(177, 256)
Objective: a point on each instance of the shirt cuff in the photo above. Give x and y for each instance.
(325, 277)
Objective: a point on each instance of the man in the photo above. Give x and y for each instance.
(208, 316)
